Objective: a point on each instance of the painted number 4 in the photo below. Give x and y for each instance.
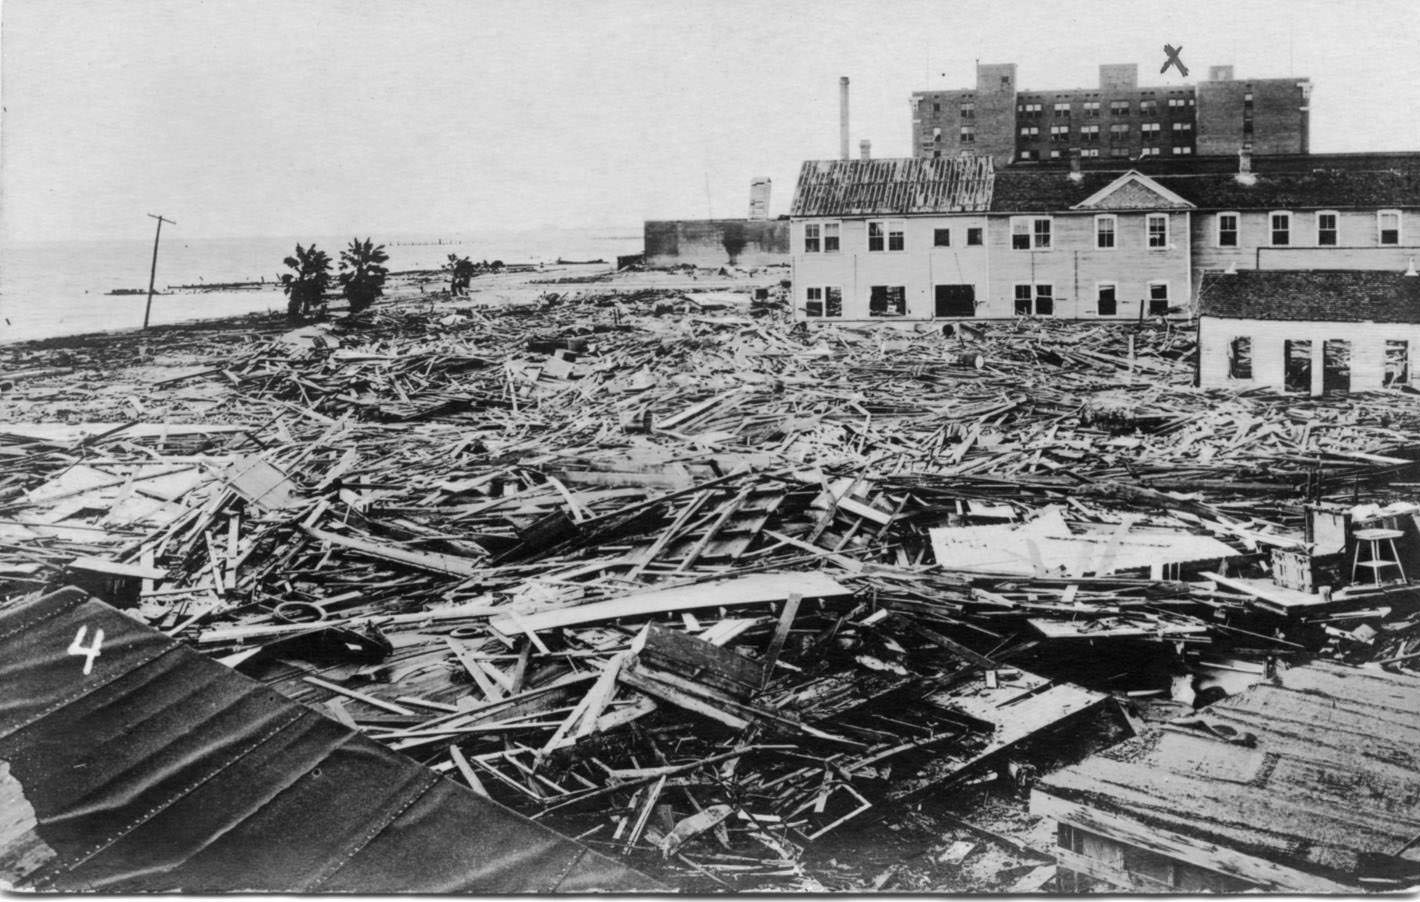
(77, 648)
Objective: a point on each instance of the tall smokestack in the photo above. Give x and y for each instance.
(843, 117)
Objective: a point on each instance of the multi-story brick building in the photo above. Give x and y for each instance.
(1119, 119)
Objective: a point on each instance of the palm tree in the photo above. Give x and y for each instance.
(362, 272)
(307, 281)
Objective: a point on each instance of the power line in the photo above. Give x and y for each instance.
(152, 273)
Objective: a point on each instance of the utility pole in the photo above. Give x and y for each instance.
(153, 273)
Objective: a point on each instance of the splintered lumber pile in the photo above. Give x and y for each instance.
(661, 573)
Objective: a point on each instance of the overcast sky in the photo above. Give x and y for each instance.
(291, 117)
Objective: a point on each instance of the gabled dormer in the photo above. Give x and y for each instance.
(1133, 191)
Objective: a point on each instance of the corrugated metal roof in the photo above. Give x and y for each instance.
(890, 187)
(1340, 296)
(160, 770)
(1329, 778)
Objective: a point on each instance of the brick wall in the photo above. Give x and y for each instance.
(1280, 120)
(708, 242)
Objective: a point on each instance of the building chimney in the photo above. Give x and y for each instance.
(1245, 176)
(865, 149)
(1410, 270)
(843, 117)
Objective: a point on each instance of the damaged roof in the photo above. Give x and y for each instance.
(1346, 296)
(893, 186)
(149, 767)
(1314, 774)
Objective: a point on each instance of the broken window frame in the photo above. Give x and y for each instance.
(1395, 362)
(1159, 298)
(1284, 230)
(1297, 364)
(968, 134)
(1327, 236)
(882, 299)
(832, 301)
(1381, 230)
(813, 238)
(1105, 238)
(1240, 357)
(1035, 299)
(1228, 228)
(877, 234)
(1111, 302)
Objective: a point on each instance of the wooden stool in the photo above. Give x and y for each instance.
(1377, 562)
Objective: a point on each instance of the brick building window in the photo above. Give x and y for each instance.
(1119, 108)
(1030, 233)
(973, 236)
(1240, 358)
(936, 107)
(1090, 152)
(1158, 298)
(812, 241)
(1119, 151)
(1104, 230)
(941, 237)
(1062, 111)
(1025, 155)
(1280, 228)
(1182, 150)
(1156, 230)
(1106, 303)
(968, 134)
(1148, 107)
(1090, 134)
(887, 300)
(1060, 133)
(1183, 126)
(1030, 110)
(1150, 130)
(830, 237)
(1119, 130)
(1178, 102)
(936, 134)
(1038, 299)
(1326, 228)
(1148, 152)
(968, 111)
(1388, 227)
(1227, 230)
(1030, 131)
(1091, 109)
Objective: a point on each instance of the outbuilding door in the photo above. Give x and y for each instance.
(956, 300)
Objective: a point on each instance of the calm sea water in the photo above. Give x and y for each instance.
(60, 288)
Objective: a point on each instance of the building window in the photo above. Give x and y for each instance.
(1119, 108)
(1280, 229)
(1247, 98)
(1030, 233)
(887, 300)
(1240, 358)
(812, 241)
(1055, 154)
(1150, 129)
(813, 302)
(830, 237)
(1035, 299)
(1092, 109)
(1397, 363)
(1326, 228)
(1104, 230)
(1158, 298)
(973, 236)
(1182, 150)
(968, 134)
(936, 134)
(936, 107)
(1090, 152)
(1060, 133)
(1148, 107)
(884, 236)
(1388, 226)
(968, 111)
(1177, 102)
(1106, 299)
(941, 237)
(1156, 229)
(1025, 155)
(1183, 126)
(1227, 230)
(1119, 130)
(1030, 131)
(1090, 134)
(1148, 151)
(1062, 111)
(1030, 109)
